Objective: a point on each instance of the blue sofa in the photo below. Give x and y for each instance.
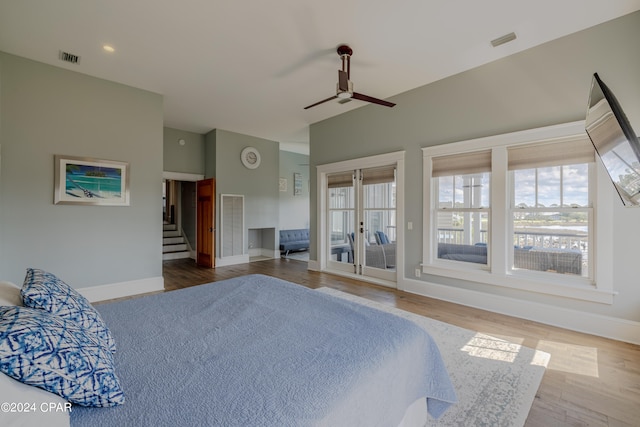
(294, 240)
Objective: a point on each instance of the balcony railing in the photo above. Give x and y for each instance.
(457, 236)
(578, 241)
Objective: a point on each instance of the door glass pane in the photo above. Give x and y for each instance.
(379, 217)
(341, 224)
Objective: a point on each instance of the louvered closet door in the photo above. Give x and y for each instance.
(232, 225)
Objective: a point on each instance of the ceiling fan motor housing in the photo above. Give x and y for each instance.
(340, 93)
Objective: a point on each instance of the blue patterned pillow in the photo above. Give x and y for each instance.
(57, 355)
(45, 291)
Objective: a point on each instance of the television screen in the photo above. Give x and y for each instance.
(615, 141)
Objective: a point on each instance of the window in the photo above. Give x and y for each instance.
(462, 187)
(518, 210)
(551, 209)
(551, 219)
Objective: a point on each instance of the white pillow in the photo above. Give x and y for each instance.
(10, 294)
(45, 409)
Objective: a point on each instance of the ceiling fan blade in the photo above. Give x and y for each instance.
(343, 81)
(320, 102)
(371, 99)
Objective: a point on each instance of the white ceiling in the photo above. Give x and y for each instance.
(250, 66)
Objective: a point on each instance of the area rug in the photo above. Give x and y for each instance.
(495, 380)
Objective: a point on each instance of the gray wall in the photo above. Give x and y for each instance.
(542, 86)
(187, 158)
(48, 110)
(294, 210)
(259, 186)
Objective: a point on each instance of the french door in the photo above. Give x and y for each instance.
(361, 222)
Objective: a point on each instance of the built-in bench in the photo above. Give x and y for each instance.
(530, 258)
(294, 240)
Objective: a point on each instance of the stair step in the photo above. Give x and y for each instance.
(176, 255)
(174, 248)
(169, 227)
(172, 240)
(172, 233)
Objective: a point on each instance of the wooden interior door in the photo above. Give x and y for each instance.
(205, 243)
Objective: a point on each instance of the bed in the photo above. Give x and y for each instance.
(259, 351)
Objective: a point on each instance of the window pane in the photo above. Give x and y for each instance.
(445, 192)
(341, 198)
(341, 224)
(472, 191)
(551, 241)
(380, 195)
(461, 224)
(524, 188)
(464, 191)
(462, 236)
(463, 227)
(549, 186)
(575, 185)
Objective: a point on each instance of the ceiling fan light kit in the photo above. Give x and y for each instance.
(344, 87)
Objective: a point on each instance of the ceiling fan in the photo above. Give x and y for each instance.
(344, 88)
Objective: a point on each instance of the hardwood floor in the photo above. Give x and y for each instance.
(590, 381)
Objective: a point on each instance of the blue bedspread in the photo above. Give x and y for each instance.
(259, 351)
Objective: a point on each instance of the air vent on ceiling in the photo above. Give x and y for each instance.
(68, 57)
(504, 39)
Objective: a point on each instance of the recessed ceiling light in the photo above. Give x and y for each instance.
(108, 48)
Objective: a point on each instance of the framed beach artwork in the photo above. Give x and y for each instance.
(85, 181)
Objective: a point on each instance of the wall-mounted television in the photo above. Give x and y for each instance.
(615, 141)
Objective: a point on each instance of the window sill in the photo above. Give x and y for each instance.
(538, 282)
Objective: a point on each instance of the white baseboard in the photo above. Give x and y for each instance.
(313, 265)
(232, 260)
(269, 253)
(122, 289)
(594, 324)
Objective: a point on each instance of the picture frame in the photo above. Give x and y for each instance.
(297, 184)
(88, 181)
(282, 185)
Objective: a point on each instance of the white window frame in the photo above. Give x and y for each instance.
(598, 289)
(467, 210)
(584, 280)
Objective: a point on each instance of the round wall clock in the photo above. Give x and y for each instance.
(250, 157)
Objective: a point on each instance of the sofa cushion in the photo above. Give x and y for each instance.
(467, 253)
(293, 240)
